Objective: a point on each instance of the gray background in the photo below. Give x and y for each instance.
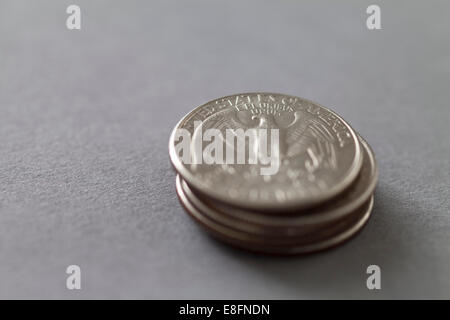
(85, 118)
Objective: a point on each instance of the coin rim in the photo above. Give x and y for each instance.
(275, 234)
(212, 227)
(353, 171)
(256, 221)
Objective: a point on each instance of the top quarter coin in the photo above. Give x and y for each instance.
(318, 157)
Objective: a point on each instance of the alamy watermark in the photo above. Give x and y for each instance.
(374, 280)
(73, 21)
(373, 21)
(73, 281)
(254, 146)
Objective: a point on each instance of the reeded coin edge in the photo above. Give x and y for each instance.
(285, 234)
(332, 192)
(242, 240)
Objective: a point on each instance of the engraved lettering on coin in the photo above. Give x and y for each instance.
(319, 153)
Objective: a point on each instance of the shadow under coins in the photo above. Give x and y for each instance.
(340, 272)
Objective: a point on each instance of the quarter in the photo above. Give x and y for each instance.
(321, 240)
(319, 155)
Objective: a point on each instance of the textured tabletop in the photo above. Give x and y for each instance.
(85, 118)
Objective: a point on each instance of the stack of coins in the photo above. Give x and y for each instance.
(273, 173)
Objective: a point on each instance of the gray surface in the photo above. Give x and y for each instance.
(85, 119)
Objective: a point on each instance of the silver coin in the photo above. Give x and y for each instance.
(319, 153)
(302, 223)
(322, 240)
(266, 233)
